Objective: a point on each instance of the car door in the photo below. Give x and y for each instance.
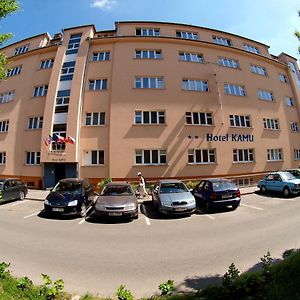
(15, 189)
(7, 191)
(155, 194)
(198, 192)
(270, 182)
(277, 183)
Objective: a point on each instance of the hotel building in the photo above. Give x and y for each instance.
(168, 100)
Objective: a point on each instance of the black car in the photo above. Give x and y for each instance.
(70, 196)
(217, 193)
(12, 189)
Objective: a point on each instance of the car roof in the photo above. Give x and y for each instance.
(117, 183)
(169, 181)
(3, 179)
(72, 180)
(219, 180)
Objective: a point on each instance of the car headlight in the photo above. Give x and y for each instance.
(166, 203)
(130, 207)
(100, 207)
(47, 202)
(73, 203)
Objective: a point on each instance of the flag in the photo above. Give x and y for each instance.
(58, 138)
(47, 141)
(70, 140)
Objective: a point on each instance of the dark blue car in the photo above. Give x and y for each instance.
(216, 193)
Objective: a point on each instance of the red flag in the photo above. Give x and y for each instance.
(70, 140)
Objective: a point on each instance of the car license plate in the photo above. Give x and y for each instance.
(226, 196)
(115, 214)
(180, 209)
(57, 209)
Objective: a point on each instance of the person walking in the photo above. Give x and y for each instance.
(142, 186)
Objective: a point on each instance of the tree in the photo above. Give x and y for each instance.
(6, 7)
(297, 33)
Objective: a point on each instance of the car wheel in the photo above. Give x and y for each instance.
(21, 195)
(263, 189)
(286, 192)
(83, 210)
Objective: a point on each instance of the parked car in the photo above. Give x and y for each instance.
(217, 193)
(173, 197)
(12, 189)
(70, 196)
(283, 182)
(295, 172)
(117, 199)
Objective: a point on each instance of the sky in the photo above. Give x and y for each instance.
(272, 22)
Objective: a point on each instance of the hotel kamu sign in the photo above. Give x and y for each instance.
(233, 137)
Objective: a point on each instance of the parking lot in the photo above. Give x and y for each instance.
(97, 255)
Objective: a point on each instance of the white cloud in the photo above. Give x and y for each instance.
(104, 4)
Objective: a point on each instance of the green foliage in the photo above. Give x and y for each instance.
(267, 262)
(51, 289)
(24, 283)
(166, 288)
(297, 34)
(4, 272)
(191, 184)
(103, 182)
(230, 276)
(124, 294)
(7, 7)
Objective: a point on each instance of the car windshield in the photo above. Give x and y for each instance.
(67, 187)
(173, 187)
(117, 190)
(287, 176)
(223, 186)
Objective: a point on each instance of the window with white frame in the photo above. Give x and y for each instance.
(2, 158)
(101, 56)
(74, 43)
(95, 119)
(97, 84)
(234, 89)
(296, 154)
(67, 71)
(4, 126)
(201, 156)
(243, 155)
(7, 97)
(150, 157)
(229, 63)
(193, 57)
(289, 101)
(14, 71)
(40, 91)
(147, 31)
(94, 157)
(33, 158)
(187, 35)
(258, 70)
(198, 118)
(148, 54)
(195, 85)
(274, 154)
(35, 122)
(272, 124)
(240, 121)
(283, 78)
(46, 64)
(265, 95)
(294, 127)
(21, 49)
(251, 48)
(63, 98)
(149, 117)
(222, 41)
(149, 82)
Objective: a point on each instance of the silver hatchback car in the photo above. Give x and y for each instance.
(173, 197)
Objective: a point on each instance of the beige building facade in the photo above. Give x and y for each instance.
(168, 100)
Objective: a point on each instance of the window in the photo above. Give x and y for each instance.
(283, 78)
(201, 156)
(274, 154)
(98, 84)
(101, 56)
(149, 117)
(67, 71)
(243, 155)
(296, 154)
(198, 118)
(233, 89)
(195, 85)
(148, 54)
(4, 126)
(14, 71)
(265, 95)
(240, 121)
(94, 157)
(251, 49)
(222, 41)
(149, 82)
(229, 63)
(2, 158)
(271, 124)
(58, 145)
(40, 91)
(22, 49)
(289, 101)
(95, 119)
(147, 31)
(150, 157)
(258, 70)
(46, 64)
(33, 158)
(7, 97)
(294, 127)
(187, 35)
(74, 43)
(193, 57)
(35, 122)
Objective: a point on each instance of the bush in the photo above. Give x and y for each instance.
(166, 288)
(191, 184)
(124, 294)
(102, 183)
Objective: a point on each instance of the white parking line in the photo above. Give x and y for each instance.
(83, 220)
(19, 202)
(250, 206)
(206, 215)
(147, 220)
(32, 215)
(292, 200)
